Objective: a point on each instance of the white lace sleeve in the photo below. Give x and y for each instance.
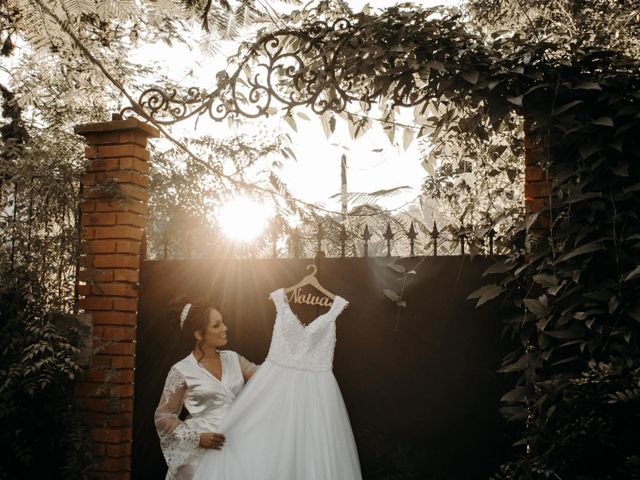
(176, 439)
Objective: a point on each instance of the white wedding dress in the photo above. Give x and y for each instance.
(290, 421)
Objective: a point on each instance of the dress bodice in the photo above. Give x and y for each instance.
(309, 347)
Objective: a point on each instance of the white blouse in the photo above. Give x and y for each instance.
(207, 400)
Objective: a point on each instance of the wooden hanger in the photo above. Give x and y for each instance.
(313, 281)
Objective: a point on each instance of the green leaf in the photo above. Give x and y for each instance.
(397, 268)
(498, 267)
(632, 274)
(521, 364)
(291, 122)
(588, 86)
(471, 76)
(565, 107)
(517, 394)
(486, 293)
(391, 295)
(535, 307)
(515, 100)
(604, 122)
(407, 138)
(587, 248)
(546, 280)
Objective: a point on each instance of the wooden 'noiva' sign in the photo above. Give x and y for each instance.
(307, 298)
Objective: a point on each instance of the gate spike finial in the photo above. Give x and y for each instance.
(434, 235)
(366, 236)
(412, 234)
(343, 239)
(388, 236)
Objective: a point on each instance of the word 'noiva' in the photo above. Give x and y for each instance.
(308, 298)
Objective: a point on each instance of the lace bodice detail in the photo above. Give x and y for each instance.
(309, 347)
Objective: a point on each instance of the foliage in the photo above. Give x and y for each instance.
(42, 434)
(576, 284)
(185, 195)
(603, 24)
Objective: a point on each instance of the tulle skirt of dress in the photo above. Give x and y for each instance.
(286, 424)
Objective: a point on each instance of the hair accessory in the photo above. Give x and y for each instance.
(183, 315)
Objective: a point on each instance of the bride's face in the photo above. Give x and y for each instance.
(216, 334)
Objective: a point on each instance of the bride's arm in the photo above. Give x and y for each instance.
(248, 368)
(176, 439)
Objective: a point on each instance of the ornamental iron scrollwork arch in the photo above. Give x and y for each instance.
(313, 66)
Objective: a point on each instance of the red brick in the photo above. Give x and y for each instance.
(119, 348)
(103, 164)
(134, 191)
(131, 163)
(98, 449)
(96, 303)
(88, 179)
(112, 464)
(122, 177)
(88, 389)
(534, 173)
(91, 219)
(129, 205)
(118, 450)
(120, 232)
(87, 206)
(111, 434)
(100, 361)
(110, 475)
(112, 332)
(111, 151)
(124, 275)
(111, 376)
(96, 419)
(128, 218)
(106, 405)
(535, 157)
(121, 420)
(114, 318)
(128, 246)
(116, 261)
(121, 390)
(87, 233)
(103, 138)
(534, 205)
(102, 246)
(122, 304)
(123, 361)
(95, 275)
(536, 189)
(84, 290)
(133, 136)
(115, 289)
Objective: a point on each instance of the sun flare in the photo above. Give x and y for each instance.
(243, 219)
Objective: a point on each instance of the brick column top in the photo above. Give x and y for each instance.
(117, 126)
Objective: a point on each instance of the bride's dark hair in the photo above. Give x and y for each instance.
(197, 319)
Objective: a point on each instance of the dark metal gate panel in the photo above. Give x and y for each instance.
(419, 381)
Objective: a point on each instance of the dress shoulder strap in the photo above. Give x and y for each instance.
(339, 304)
(278, 299)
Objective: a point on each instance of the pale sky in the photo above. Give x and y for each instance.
(373, 162)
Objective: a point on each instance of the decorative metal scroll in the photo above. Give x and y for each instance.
(289, 68)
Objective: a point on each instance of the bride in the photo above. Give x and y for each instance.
(206, 383)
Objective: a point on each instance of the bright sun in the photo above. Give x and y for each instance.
(243, 219)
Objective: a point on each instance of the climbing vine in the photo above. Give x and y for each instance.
(576, 279)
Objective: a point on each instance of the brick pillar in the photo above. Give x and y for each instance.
(537, 182)
(112, 231)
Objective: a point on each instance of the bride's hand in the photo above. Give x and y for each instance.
(212, 440)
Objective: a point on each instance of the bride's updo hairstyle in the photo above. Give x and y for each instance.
(190, 316)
